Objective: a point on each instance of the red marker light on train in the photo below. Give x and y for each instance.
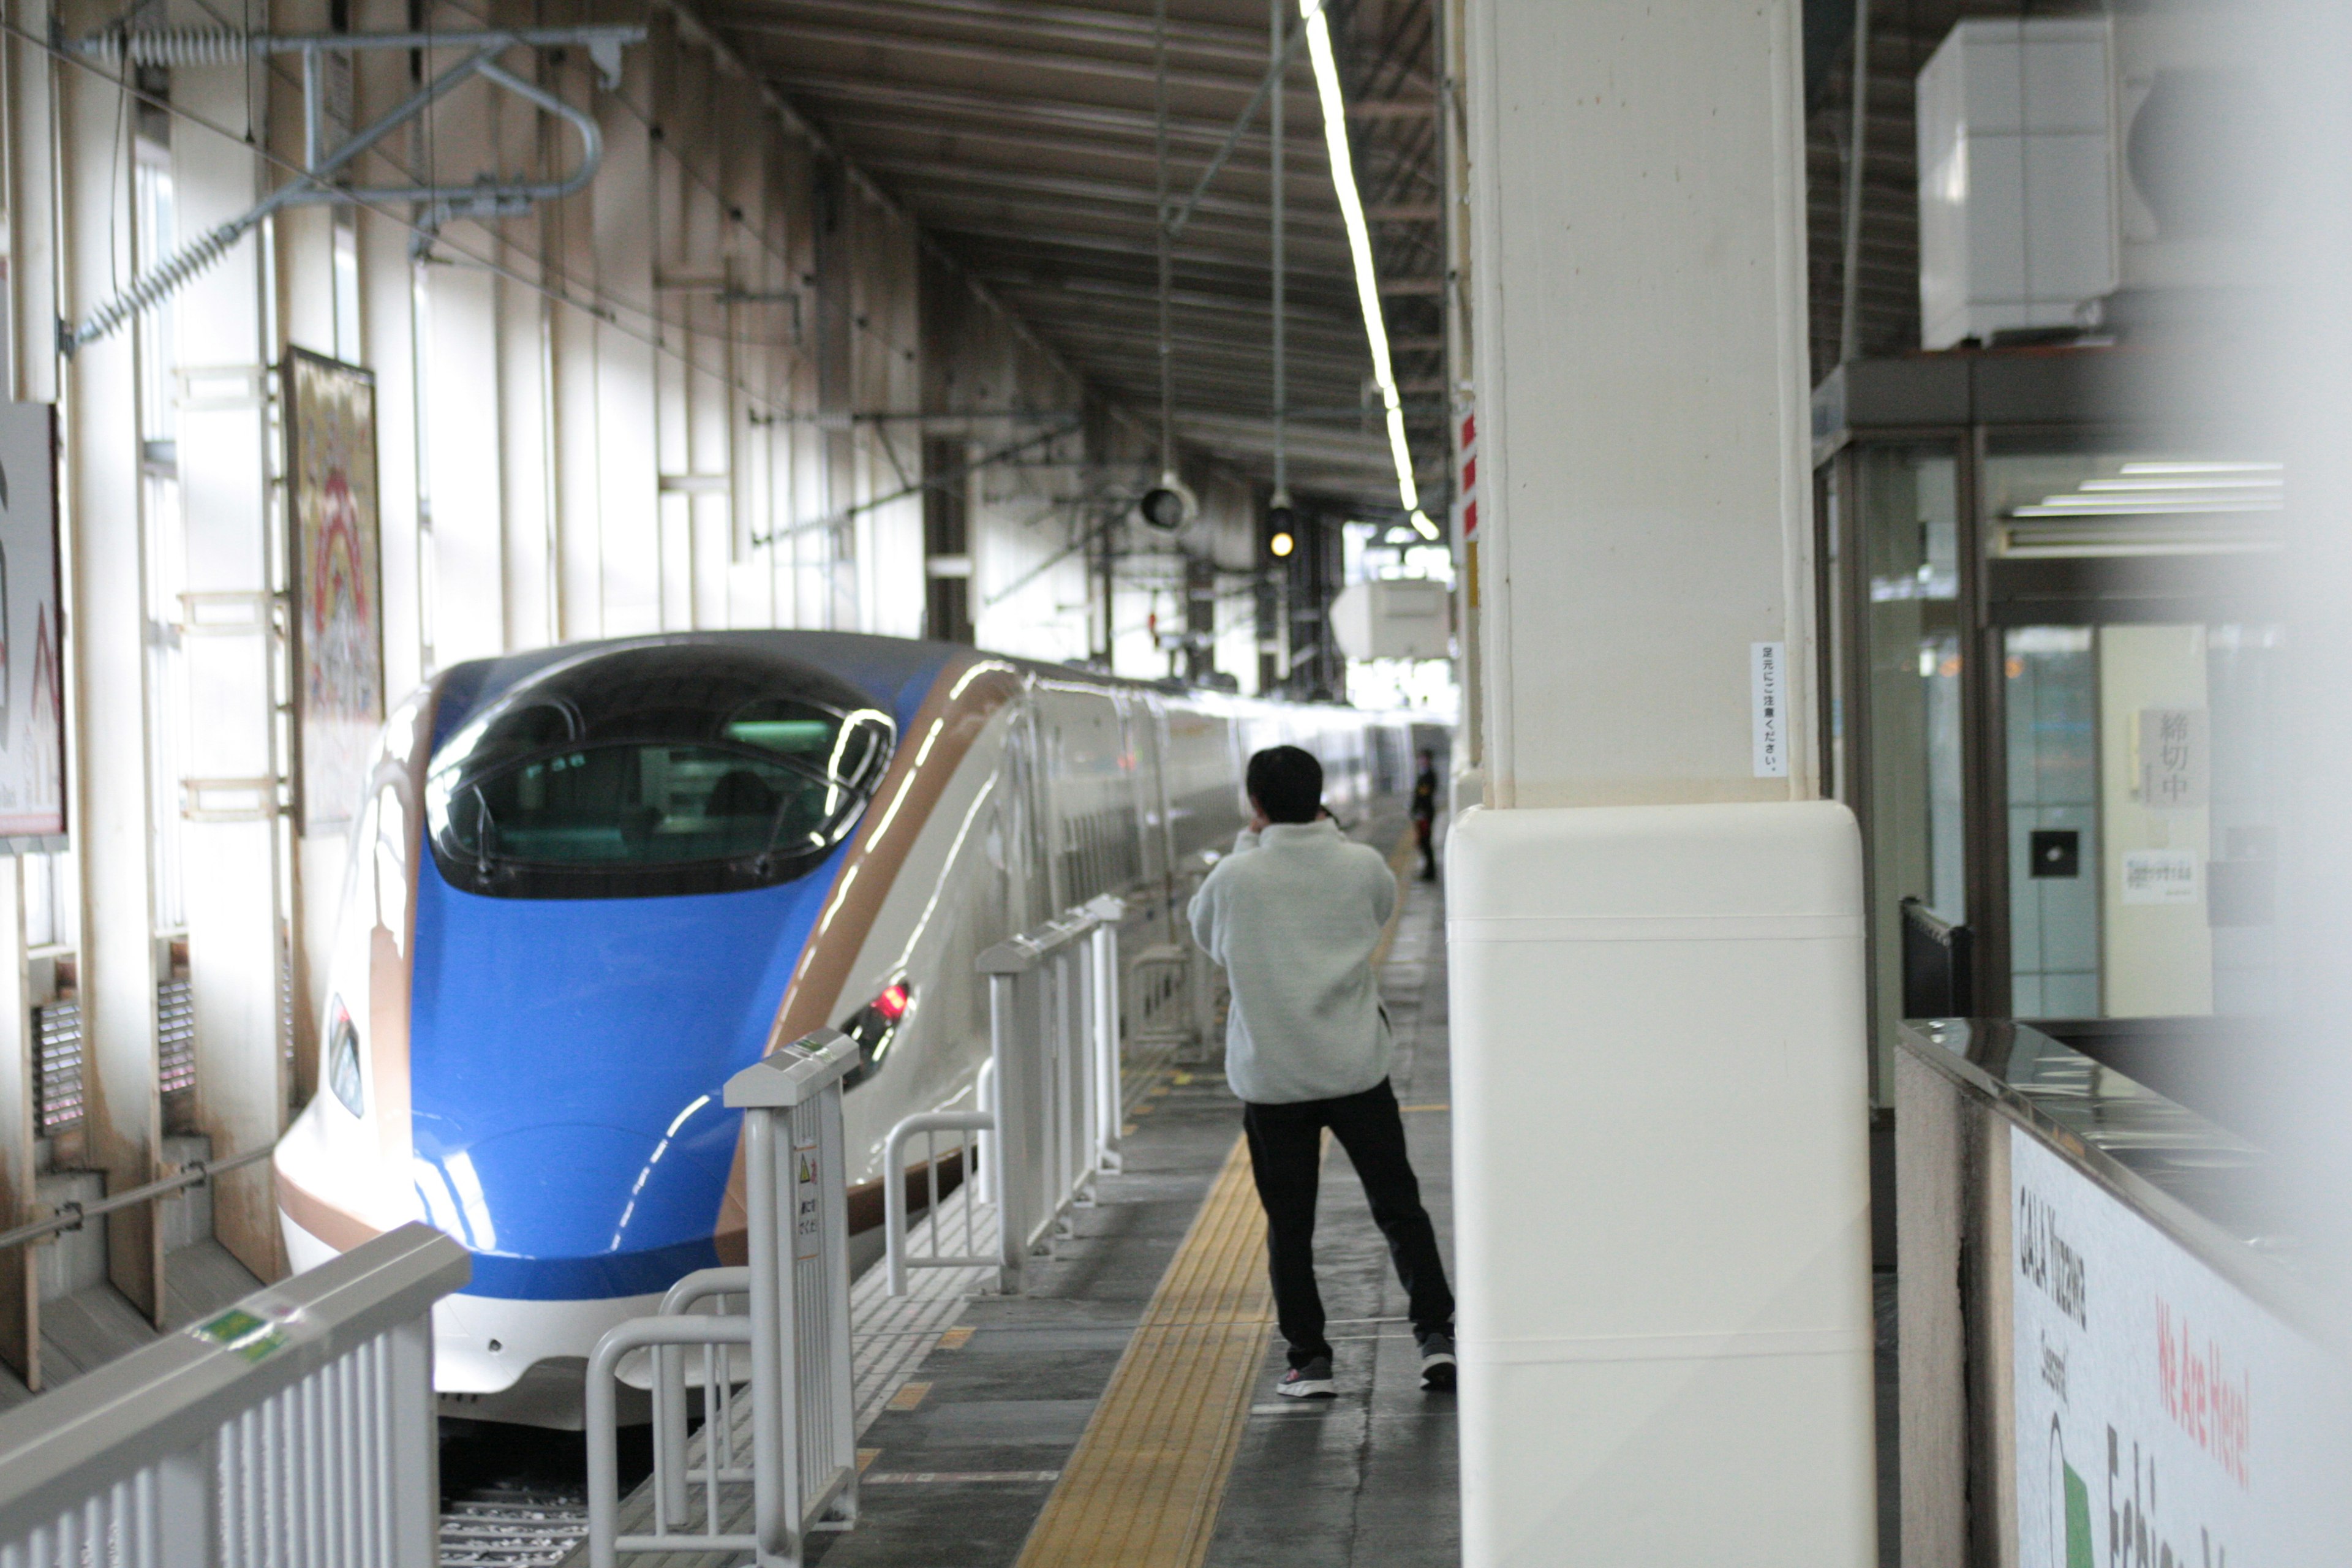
(892, 1002)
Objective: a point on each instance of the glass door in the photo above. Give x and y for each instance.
(2142, 819)
(2140, 725)
(1895, 541)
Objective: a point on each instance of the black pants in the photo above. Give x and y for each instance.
(1285, 1144)
(1424, 832)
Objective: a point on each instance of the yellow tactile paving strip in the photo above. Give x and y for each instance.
(1141, 1489)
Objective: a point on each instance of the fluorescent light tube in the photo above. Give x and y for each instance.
(1359, 249)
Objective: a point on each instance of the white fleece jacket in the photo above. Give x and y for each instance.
(1293, 915)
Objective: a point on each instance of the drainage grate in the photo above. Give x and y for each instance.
(175, 1036)
(502, 1529)
(57, 1064)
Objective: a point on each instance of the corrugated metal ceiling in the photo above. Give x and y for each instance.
(1022, 136)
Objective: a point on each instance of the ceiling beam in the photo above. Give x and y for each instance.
(1000, 108)
(1079, 187)
(872, 47)
(1023, 19)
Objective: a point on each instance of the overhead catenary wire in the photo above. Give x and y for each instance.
(1284, 50)
(930, 482)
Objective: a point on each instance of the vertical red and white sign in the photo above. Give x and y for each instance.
(1466, 492)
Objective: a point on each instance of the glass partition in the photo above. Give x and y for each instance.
(1907, 521)
(2056, 705)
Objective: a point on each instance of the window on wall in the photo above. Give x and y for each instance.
(154, 235)
(347, 275)
(947, 541)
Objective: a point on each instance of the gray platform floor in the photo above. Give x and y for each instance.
(957, 1481)
(83, 1332)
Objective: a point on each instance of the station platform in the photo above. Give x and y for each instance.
(1122, 1409)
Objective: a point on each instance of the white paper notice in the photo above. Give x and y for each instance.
(2161, 877)
(1768, 694)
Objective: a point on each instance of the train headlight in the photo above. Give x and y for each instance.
(874, 1026)
(343, 1061)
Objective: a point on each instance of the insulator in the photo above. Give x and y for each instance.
(171, 47)
(150, 289)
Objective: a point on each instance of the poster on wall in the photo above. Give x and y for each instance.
(32, 709)
(337, 582)
(2163, 1415)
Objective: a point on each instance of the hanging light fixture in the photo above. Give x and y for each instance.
(1359, 249)
(1167, 505)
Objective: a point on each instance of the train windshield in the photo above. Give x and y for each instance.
(661, 769)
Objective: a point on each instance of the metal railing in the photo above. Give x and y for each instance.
(1050, 1125)
(295, 1428)
(1938, 964)
(72, 1215)
(1176, 987)
(795, 1469)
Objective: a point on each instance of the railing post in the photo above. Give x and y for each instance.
(983, 1144)
(767, 1346)
(1011, 1144)
(1109, 1092)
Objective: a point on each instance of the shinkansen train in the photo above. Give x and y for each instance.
(590, 883)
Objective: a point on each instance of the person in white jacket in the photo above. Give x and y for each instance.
(1294, 915)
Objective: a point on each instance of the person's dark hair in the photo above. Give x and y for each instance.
(1286, 782)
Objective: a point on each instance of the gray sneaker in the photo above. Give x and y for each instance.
(1312, 1380)
(1437, 1363)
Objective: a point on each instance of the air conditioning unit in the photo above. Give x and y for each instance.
(1397, 617)
(2016, 165)
(2065, 159)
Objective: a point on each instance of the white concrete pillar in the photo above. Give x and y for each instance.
(106, 697)
(1661, 1168)
(628, 471)
(230, 839)
(32, 284)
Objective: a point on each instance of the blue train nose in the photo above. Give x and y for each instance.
(571, 1212)
(567, 1060)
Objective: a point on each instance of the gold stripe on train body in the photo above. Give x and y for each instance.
(966, 693)
(398, 772)
(338, 1227)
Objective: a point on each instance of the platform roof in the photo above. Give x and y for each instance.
(1022, 138)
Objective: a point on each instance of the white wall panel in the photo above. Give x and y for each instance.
(230, 854)
(107, 698)
(459, 373)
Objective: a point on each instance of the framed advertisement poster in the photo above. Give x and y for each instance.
(32, 709)
(336, 582)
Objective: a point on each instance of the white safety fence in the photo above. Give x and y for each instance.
(1176, 987)
(1048, 1124)
(293, 1430)
(758, 1485)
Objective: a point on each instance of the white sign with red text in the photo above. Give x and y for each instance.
(2164, 1418)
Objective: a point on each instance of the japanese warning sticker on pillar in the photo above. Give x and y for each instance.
(2163, 1415)
(1768, 695)
(808, 1216)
